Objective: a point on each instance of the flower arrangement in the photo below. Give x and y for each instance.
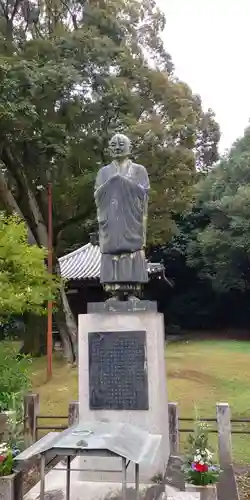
(201, 471)
(199, 468)
(7, 456)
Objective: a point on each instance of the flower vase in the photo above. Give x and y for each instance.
(11, 487)
(208, 492)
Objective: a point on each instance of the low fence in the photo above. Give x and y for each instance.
(35, 425)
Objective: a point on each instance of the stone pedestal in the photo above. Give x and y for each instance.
(108, 343)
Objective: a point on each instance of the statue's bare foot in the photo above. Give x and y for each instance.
(112, 299)
(132, 298)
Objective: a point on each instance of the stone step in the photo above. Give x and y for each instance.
(101, 491)
(55, 482)
(183, 495)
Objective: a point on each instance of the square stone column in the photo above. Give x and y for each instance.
(152, 414)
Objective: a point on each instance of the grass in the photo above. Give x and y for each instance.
(202, 373)
(199, 374)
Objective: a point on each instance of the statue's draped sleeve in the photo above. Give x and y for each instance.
(122, 200)
(121, 206)
(143, 179)
(102, 177)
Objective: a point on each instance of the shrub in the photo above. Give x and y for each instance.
(14, 383)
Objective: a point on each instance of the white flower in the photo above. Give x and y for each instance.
(197, 458)
(3, 447)
(209, 454)
(198, 451)
(202, 462)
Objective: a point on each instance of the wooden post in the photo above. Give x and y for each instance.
(73, 417)
(3, 427)
(31, 412)
(173, 419)
(50, 270)
(224, 434)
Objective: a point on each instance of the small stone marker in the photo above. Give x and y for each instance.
(174, 475)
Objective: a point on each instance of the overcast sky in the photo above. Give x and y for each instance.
(209, 42)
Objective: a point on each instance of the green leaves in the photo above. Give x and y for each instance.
(25, 284)
(221, 248)
(83, 71)
(14, 375)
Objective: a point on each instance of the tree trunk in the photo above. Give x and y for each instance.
(11, 205)
(66, 325)
(68, 347)
(64, 317)
(34, 339)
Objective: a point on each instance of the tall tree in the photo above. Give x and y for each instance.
(72, 73)
(221, 248)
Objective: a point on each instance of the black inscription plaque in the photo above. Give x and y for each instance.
(118, 371)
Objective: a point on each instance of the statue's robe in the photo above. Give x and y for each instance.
(121, 195)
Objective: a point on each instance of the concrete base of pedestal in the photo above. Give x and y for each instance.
(155, 418)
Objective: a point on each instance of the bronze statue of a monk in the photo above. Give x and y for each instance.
(121, 196)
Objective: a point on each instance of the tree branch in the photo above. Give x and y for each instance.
(15, 9)
(11, 205)
(16, 168)
(73, 220)
(73, 16)
(4, 10)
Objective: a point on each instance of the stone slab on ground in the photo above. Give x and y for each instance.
(182, 495)
(55, 487)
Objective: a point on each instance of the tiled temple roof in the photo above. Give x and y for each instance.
(85, 263)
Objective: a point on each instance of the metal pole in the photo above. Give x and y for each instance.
(42, 479)
(68, 479)
(50, 270)
(124, 479)
(137, 482)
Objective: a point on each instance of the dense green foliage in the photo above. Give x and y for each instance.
(25, 284)
(14, 377)
(14, 383)
(71, 74)
(222, 246)
(209, 258)
(68, 81)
